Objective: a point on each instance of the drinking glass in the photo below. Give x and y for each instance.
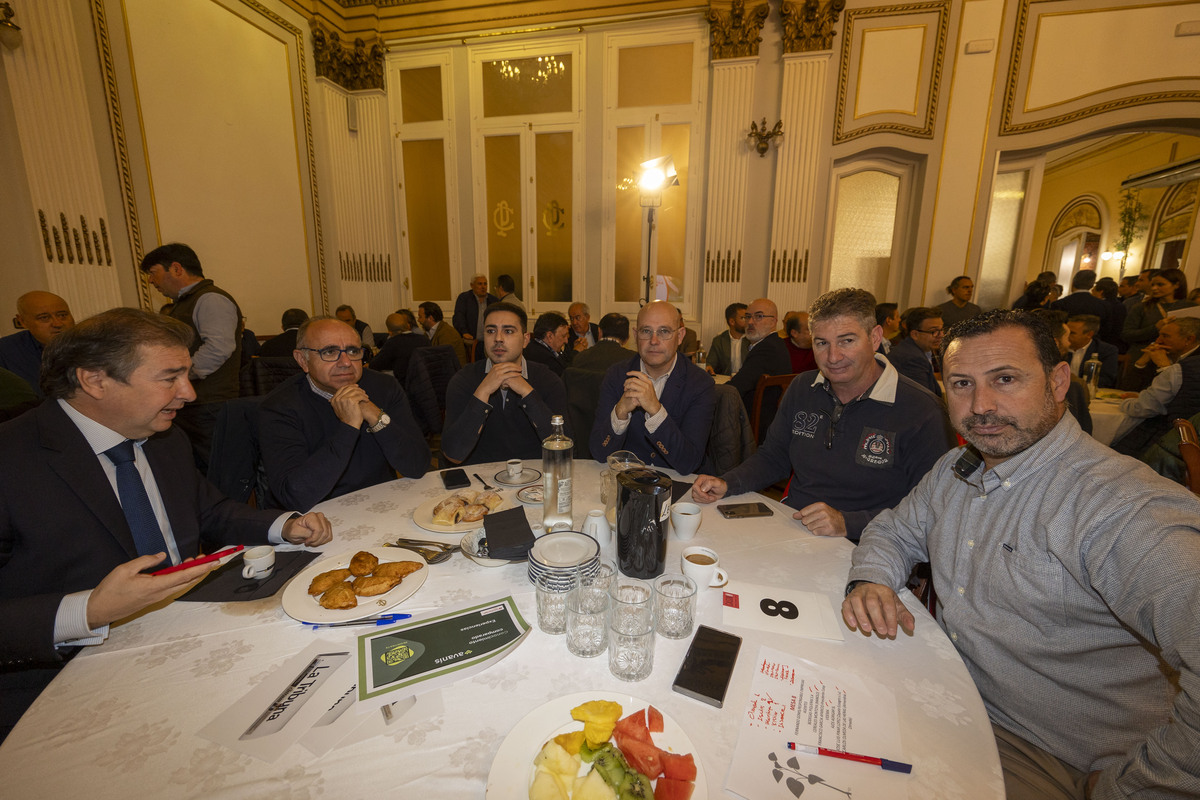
(552, 591)
(631, 630)
(674, 605)
(587, 617)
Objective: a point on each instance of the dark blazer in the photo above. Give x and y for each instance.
(281, 345)
(768, 357)
(912, 362)
(539, 353)
(1109, 366)
(62, 529)
(446, 334)
(720, 352)
(310, 455)
(466, 312)
(396, 353)
(1084, 303)
(572, 336)
(689, 397)
(602, 356)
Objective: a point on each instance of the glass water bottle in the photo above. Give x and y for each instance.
(556, 477)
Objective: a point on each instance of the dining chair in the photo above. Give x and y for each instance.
(1189, 450)
(767, 393)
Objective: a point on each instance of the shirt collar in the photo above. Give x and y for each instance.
(884, 389)
(317, 390)
(99, 437)
(1188, 353)
(1045, 452)
(487, 367)
(661, 381)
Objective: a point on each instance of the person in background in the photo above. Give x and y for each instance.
(1141, 286)
(1068, 578)
(912, 356)
(403, 339)
(1173, 393)
(41, 316)
(1037, 295)
(468, 314)
(1083, 344)
(768, 354)
(1167, 292)
(549, 343)
(584, 333)
(429, 317)
(282, 345)
(1110, 328)
(611, 349)
(346, 314)
(887, 317)
(1127, 288)
(959, 306)
(506, 289)
(1077, 392)
(799, 343)
(730, 347)
(1082, 301)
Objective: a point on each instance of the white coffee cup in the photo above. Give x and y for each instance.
(258, 562)
(685, 520)
(702, 565)
(514, 468)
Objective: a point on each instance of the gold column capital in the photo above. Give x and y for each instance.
(735, 35)
(352, 68)
(808, 26)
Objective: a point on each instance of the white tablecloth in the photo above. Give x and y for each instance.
(121, 719)
(1108, 423)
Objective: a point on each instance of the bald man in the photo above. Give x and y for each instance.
(768, 356)
(42, 316)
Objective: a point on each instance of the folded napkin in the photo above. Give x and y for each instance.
(508, 534)
(226, 584)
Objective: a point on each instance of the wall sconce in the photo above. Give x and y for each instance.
(760, 138)
(10, 32)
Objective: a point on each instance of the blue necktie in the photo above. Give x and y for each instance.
(135, 503)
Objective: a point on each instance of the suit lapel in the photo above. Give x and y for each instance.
(71, 458)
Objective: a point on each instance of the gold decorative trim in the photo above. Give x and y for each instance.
(808, 27)
(1009, 128)
(45, 234)
(87, 243)
(133, 228)
(790, 267)
(725, 268)
(352, 69)
(365, 267)
(735, 35)
(302, 61)
(924, 131)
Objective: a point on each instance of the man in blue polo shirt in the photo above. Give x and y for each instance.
(856, 438)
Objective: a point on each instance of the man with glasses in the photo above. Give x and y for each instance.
(659, 404)
(856, 436)
(768, 356)
(499, 407)
(912, 356)
(337, 428)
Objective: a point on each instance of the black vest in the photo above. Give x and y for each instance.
(223, 383)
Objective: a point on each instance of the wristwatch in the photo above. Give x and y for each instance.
(850, 587)
(384, 421)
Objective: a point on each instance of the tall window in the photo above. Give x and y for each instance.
(870, 217)
(1000, 245)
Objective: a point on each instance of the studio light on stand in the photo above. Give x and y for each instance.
(652, 177)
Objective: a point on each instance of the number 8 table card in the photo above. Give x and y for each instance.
(780, 610)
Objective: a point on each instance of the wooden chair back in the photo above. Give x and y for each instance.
(767, 385)
(1189, 451)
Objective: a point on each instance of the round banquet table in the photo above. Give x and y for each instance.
(121, 719)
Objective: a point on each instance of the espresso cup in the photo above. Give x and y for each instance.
(685, 520)
(701, 564)
(258, 562)
(515, 469)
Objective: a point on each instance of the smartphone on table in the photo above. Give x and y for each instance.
(708, 666)
(455, 479)
(744, 510)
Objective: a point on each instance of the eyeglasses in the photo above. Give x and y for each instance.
(332, 353)
(645, 334)
(759, 317)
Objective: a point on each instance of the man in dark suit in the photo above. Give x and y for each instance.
(402, 340)
(912, 356)
(281, 346)
(768, 356)
(583, 333)
(548, 345)
(468, 313)
(1081, 300)
(97, 486)
(41, 316)
(722, 358)
(1084, 345)
(658, 404)
(337, 428)
(611, 349)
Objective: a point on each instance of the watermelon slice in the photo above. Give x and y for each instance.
(645, 758)
(679, 767)
(654, 720)
(670, 789)
(634, 727)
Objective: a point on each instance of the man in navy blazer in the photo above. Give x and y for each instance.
(912, 356)
(1084, 344)
(69, 565)
(658, 405)
(468, 313)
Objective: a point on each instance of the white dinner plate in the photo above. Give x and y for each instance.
(512, 768)
(423, 516)
(564, 549)
(528, 475)
(532, 495)
(300, 605)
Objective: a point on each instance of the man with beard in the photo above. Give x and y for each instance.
(1068, 578)
(730, 347)
(499, 407)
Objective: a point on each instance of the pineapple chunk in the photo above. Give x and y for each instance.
(553, 758)
(599, 717)
(571, 742)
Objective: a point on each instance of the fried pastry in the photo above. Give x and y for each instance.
(448, 511)
(466, 495)
(473, 513)
(363, 563)
(326, 580)
(339, 596)
(397, 569)
(371, 585)
(491, 500)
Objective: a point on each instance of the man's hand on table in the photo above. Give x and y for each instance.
(707, 489)
(822, 520)
(310, 530)
(874, 608)
(126, 590)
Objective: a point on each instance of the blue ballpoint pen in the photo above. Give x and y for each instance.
(386, 619)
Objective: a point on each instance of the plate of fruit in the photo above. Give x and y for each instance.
(596, 746)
